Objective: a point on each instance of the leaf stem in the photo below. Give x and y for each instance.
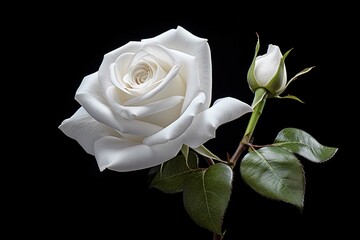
(258, 105)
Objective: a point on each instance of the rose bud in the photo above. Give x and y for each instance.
(268, 71)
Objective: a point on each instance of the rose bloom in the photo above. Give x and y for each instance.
(147, 99)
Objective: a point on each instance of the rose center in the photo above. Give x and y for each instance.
(141, 74)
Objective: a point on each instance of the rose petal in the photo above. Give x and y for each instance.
(267, 65)
(169, 77)
(204, 125)
(118, 71)
(182, 40)
(109, 58)
(85, 129)
(189, 72)
(178, 127)
(127, 64)
(123, 155)
(90, 97)
(132, 112)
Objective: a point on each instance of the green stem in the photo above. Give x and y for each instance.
(258, 106)
(258, 109)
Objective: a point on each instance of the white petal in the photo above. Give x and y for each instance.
(153, 62)
(132, 112)
(109, 58)
(123, 155)
(169, 77)
(189, 72)
(179, 126)
(90, 97)
(119, 69)
(182, 40)
(85, 129)
(267, 65)
(204, 125)
(203, 59)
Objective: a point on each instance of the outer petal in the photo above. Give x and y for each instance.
(123, 155)
(182, 40)
(90, 97)
(85, 129)
(178, 127)
(204, 125)
(267, 65)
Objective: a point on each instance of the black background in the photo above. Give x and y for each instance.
(56, 188)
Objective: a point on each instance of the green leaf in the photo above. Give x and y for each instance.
(173, 173)
(303, 144)
(274, 173)
(202, 150)
(206, 195)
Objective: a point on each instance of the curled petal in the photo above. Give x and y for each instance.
(204, 125)
(171, 75)
(132, 112)
(123, 155)
(90, 97)
(189, 72)
(178, 127)
(267, 65)
(182, 40)
(109, 58)
(85, 129)
(118, 71)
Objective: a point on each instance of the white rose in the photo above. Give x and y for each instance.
(147, 99)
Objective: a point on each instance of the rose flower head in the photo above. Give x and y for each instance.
(148, 99)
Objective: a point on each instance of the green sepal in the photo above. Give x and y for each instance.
(260, 93)
(274, 86)
(185, 151)
(251, 72)
(306, 70)
(290, 97)
(202, 150)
